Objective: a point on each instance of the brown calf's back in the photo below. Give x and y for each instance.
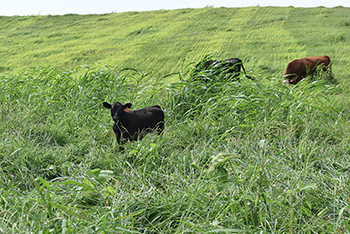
(299, 68)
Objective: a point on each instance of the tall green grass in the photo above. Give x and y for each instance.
(235, 157)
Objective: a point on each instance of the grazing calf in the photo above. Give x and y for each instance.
(231, 65)
(132, 125)
(298, 69)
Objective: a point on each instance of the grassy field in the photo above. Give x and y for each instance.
(265, 38)
(235, 157)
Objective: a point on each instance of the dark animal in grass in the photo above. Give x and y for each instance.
(299, 68)
(232, 66)
(133, 125)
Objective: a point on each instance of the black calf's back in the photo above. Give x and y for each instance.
(232, 66)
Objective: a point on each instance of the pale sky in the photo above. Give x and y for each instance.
(61, 7)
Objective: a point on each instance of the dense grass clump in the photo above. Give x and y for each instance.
(245, 156)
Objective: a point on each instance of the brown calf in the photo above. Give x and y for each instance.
(300, 68)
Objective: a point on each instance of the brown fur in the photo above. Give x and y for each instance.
(298, 69)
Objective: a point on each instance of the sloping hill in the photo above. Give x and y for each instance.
(266, 38)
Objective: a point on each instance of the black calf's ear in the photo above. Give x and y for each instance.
(107, 105)
(127, 105)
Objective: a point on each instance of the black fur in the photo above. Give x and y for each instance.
(132, 125)
(231, 65)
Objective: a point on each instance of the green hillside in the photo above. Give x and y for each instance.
(266, 38)
(235, 157)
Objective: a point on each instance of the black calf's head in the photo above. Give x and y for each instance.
(117, 109)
